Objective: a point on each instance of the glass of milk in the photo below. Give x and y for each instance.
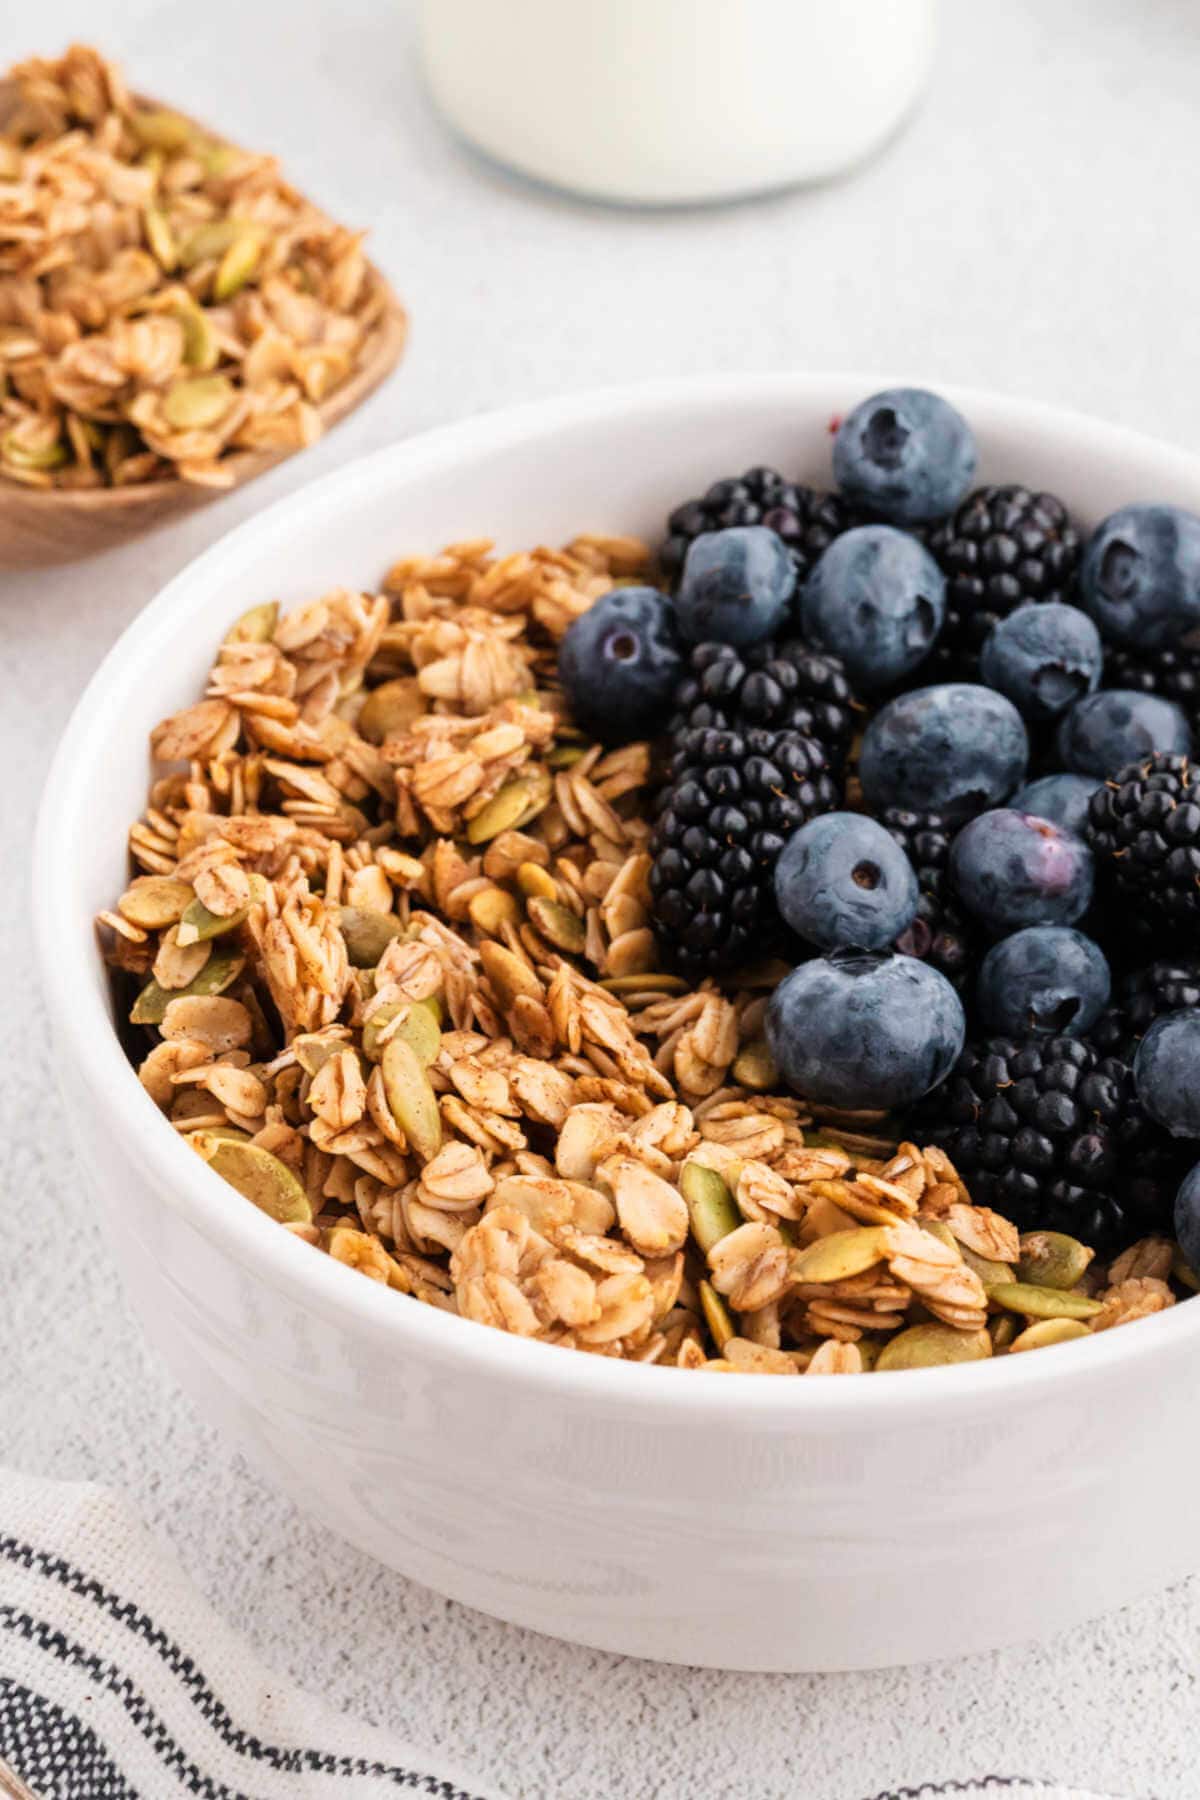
(675, 101)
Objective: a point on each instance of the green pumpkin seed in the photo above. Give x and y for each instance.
(390, 709)
(754, 1067)
(1051, 1259)
(160, 237)
(992, 1274)
(161, 130)
(933, 1346)
(261, 1177)
(716, 1315)
(200, 347)
(710, 1205)
(1043, 1303)
(367, 934)
(22, 456)
(197, 924)
(238, 264)
(1048, 1331)
(197, 403)
(869, 1350)
(209, 240)
(219, 972)
(199, 1139)
(558, 924)
(840, 1254)
(420, 1028)
(312, 1053)
(564, 756)
(1002, 1329)
(411, 1098)
(517, 802)
(256, 625)
(536, 883)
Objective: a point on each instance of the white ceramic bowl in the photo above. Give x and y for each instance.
(734, 1521)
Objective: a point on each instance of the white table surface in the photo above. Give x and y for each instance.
(1032, 231)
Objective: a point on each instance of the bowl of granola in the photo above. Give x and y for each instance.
(473, 1156)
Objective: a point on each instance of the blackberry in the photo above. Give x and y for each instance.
(941, 934)
(733, 800)
(1001, 547)
(805, 518)
(1173, 672)
(782, 685)
(1050, 1134)
(1144, 827)
(1143, 995)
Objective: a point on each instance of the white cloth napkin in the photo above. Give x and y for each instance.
(118, 1682)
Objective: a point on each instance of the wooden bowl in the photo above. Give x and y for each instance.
(40, 527)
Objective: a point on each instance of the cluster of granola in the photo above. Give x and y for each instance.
(396, 982)
(165, 298)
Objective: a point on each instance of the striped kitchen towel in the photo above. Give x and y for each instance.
(118, 1682)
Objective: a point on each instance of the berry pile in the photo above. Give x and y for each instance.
(933, 744)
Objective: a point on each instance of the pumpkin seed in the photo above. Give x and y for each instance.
(23, 456)
(160, 237)
(716, 1315)
(992, 1274)
(261, 1177)
(421, 1027)
(197, 403)
(1002, 1329)
(200, 347)
(754, 1067)
(493, 907)
(840, 1254)
(536, 882)
(367, 934)
(557, 923)
(219, 972)
(256, 625)
(155, 901)
(1043, 1303)
(1048, 1331)
(710, 1205)
(159, 129)
(197, 924)
(238, 264)
(508, 810)
(209, 240)
(312, 1053)
(564, 756)
(390, 708)
(197, 1139)
(933, 1346)
(1051, 1259)
(411, 1098)
(868, 1350)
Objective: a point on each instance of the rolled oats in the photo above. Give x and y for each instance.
(387, 945)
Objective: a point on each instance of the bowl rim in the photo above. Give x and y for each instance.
(93, 1055)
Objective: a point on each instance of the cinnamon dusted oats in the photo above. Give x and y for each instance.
(165, 297)
(392, 975)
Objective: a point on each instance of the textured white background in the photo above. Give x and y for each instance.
(1032, 231)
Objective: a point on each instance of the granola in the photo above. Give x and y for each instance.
(165, 297)
(388, 941)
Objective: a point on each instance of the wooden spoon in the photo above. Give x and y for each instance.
(43, 526)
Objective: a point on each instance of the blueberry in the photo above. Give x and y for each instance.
(1044, 657)
(951, 749)
(619, 664)
(1140, 576)
(877, 599)
(1063, 799)
(1164, 1072)
(736, 586)
(1105, 731)
(844, 882)
(1187, 1218)
(1046, 978)
(857, 1030)
(906, 454)
(1012, 869)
